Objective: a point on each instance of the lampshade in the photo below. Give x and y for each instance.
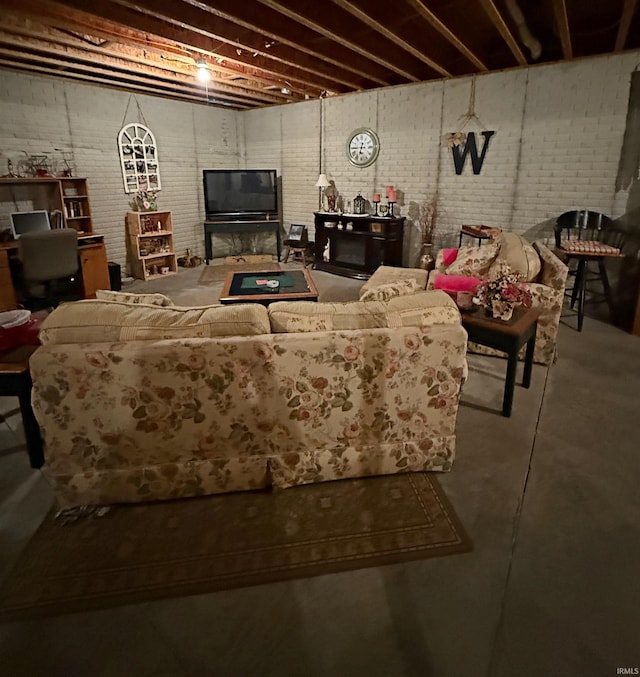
(322, 181)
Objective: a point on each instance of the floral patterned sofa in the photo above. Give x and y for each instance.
(140, 402)
(544, 274)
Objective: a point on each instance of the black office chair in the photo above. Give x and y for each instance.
(584, 236)
(49, 263)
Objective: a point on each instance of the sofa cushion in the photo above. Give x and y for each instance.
(389, 274)
(303, 316)
(588, 247)
(126, 297)
(519, 254)
(474, 261)
(95, 321)
(420, 309)
(384, 292)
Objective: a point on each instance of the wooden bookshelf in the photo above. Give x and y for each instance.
(150, 245)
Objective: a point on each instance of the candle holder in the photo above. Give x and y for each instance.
(376, 203)
(391, 203)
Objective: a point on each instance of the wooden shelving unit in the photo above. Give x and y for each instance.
(67, 195)
(76, 206)
(150, 245)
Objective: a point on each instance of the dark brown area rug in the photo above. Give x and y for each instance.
(145, 552)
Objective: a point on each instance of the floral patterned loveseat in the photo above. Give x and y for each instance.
(545, 277)
(139, 402)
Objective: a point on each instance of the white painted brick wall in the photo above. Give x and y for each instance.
(558, 135)
(39, 114)
(559, 131)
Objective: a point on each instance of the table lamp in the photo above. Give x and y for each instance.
(321, 184)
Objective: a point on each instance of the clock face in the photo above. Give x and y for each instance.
(363, 147)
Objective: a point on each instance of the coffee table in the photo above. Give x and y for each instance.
(508, 336)
(15, 380)
(301, 289)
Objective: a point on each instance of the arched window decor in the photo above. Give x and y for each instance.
(139, 158)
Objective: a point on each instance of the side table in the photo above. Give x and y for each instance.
(480, 233)
(508, 336)
(15, 380)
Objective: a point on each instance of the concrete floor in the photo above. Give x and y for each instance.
(549, 497)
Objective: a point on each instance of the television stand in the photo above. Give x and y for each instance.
(226, 225)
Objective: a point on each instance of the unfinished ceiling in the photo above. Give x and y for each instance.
(264, 52)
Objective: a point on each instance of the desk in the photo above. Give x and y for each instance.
(509, 337)
(93, 268)
(232, 227)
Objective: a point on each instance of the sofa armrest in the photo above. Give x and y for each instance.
(439, 269)
(553, 272)
(391, 274)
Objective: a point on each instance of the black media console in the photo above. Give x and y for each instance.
(354, 245)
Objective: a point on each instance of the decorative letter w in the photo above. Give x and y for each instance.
(470, 147)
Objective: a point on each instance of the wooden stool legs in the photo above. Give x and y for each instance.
(303, 249)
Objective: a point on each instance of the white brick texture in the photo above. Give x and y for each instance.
(558, 135)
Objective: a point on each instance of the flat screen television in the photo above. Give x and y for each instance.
(240, 192)
(29, 222)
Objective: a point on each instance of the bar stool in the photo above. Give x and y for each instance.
(585, 236)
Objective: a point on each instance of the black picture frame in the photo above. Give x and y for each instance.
(297, 233)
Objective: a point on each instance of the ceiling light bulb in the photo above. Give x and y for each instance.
(203, 72)
(285, 90)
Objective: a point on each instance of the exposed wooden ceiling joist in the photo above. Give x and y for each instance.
(383, 30)
(492, 10)
(336, 32)
(562, 22)
(625, 22)
(427, 14)
(268, 52)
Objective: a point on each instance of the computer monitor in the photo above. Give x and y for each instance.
(29, 222)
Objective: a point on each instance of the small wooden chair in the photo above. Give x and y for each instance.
(298, 244)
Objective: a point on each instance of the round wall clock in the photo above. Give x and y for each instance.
(363, 147)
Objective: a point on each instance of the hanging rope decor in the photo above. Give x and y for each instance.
(459, 137)
(138, 156)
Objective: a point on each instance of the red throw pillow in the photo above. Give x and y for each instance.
(449, 256)
(456, 283)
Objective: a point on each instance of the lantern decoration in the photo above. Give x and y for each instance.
(359, 205)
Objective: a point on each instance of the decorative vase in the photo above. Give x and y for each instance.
(426, 260)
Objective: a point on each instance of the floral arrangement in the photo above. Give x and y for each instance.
(144, 201)
(455, 139)
(502, 292)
